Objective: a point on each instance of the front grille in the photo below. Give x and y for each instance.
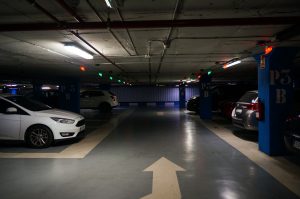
(81, 122)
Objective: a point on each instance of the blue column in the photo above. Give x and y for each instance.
(70, 95)
(37, 89)
(205, 106)
(275, 92)
(182, 96)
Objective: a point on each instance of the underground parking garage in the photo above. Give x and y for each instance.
(149, 99)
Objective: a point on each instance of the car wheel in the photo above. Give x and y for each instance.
(39, 136)
(105, 108)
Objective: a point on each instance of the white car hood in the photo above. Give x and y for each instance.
(58, 113)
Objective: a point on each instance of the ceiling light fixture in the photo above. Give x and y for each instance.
(232, 63)
(108, 3)
(77, 51)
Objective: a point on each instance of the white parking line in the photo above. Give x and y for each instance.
(284, 171)
(80, 149)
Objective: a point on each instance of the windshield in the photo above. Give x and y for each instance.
(28, 103)
(249, 97)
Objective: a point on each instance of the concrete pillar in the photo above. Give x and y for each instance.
(275, 86)
(205, 106)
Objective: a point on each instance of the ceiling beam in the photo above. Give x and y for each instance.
(153, 24)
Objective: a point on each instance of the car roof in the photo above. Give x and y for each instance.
(83, 90)
(7, 95)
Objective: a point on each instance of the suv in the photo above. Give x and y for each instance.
(98, 99)
(244, 113)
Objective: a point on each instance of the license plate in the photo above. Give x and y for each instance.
(296, 144)
(238, 111)
(82, 128)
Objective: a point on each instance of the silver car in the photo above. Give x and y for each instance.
(244, 113)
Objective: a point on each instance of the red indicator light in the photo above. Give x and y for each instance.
(268, 49)
(82, 68)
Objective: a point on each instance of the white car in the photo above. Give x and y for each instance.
(98, 99)
(36, 123)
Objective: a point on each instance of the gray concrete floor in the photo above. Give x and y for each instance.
(114, 169)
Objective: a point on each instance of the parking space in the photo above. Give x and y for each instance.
(98, 126)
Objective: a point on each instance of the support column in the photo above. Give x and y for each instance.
(37, 89)
(70, 95)
(205, 105)
(182, 96)
(275, 86)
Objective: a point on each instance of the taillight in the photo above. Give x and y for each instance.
(113, 97)
(260, 110)
(252, 106)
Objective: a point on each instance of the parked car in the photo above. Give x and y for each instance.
(224, 98)
(37, 124)
(98, 99)
(244, 113)
(193, 104)
(292, 127)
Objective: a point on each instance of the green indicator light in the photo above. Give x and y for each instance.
(119, 81)
(100, 74)
(110, 77)
(209, 72)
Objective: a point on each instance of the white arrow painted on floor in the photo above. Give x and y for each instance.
(165, 183)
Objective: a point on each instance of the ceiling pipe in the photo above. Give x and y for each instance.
(167, 41)
(63, 4)
(39, 7)
(204, 38)
(128, 33)
(253, 21)
(87, 43)
(109, 30)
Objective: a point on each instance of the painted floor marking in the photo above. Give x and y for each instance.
(165, 182)
(284, 171)
(80, 149)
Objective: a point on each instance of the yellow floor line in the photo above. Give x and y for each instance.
(284, 171)
(80, 149)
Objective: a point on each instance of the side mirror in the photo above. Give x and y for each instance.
(11, 110)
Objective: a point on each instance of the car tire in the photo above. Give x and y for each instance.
(105, 108)
(39, 136)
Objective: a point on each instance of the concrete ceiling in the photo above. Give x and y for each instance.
(138, 51)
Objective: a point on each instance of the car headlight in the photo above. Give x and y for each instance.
(63, 120)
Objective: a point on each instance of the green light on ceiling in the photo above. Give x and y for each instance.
(100, 74)
(209, 72)
(110, 77)
(119, 81)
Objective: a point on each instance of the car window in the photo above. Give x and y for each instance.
(29, 103)
(87, 94)
(97, 93)
(4, 105)
(249, 97)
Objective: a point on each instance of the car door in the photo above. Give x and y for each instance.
(10, 123)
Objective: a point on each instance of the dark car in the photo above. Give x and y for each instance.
(223, 97)
(193, 104)
(292, 130)
(244, 113)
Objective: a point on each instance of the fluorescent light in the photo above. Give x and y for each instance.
(77, 51)
(46, 88)
(108, 3)
(232, 64)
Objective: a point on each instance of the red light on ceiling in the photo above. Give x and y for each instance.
(82, 68)
(199, 76)
(268, 49)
